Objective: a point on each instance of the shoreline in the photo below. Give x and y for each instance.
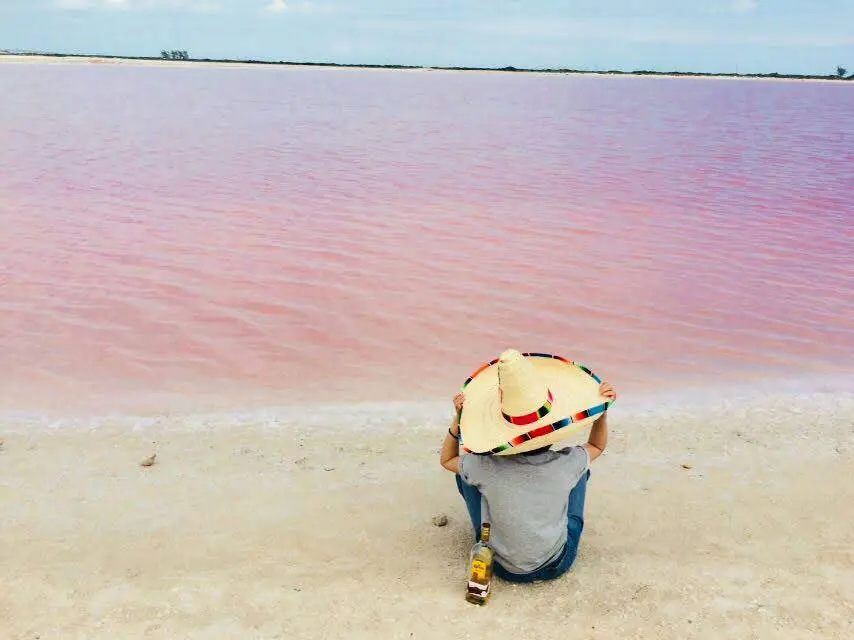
(205, 409)
(226, 63)
(694, 523)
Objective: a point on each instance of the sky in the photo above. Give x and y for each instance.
(786, 36)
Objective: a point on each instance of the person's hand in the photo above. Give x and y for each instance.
(605, 389)
(459, 399)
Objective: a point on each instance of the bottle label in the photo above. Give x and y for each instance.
(478, 570)
(478, 589)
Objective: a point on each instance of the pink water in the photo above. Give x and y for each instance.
(228, 237)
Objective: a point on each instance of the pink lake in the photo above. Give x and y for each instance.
(236, 237)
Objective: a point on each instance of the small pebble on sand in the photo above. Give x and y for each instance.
(149, 461)
(687, 466)
(440, 520)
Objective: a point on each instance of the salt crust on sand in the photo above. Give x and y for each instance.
(265, 526)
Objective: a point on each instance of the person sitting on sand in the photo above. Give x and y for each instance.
(510, 415)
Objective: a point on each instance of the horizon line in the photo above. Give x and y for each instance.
(505, 69)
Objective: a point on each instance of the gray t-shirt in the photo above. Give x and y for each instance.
(525, 501)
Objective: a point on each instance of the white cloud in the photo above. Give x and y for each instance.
(139, 5)
(91, 4)
(295, 6)
(277, 6)
(208, 6)
(743, 6)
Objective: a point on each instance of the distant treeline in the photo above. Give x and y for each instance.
(841, 72)
(174, 55)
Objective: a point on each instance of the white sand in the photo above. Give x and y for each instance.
(36, 59)
(267, 530)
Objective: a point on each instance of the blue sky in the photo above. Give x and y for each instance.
(797, 36)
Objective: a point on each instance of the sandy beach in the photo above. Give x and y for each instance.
(700, 521)
(36, 59)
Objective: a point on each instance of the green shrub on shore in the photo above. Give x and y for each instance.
(174, 55)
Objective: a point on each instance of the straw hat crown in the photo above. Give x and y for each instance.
(522, 389)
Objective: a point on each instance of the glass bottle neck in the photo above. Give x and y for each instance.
(484, 533)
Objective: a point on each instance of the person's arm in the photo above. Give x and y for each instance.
(450, 456)
(598, 439)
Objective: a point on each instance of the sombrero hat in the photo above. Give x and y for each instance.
(524, 401)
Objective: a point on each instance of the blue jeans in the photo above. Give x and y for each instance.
(574, 527)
